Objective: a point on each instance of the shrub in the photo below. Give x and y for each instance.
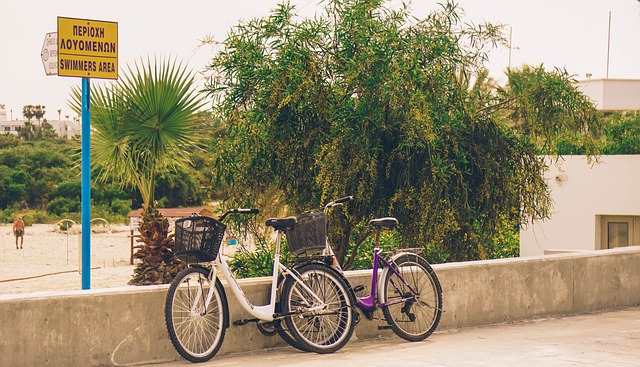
(31, 217)
(61, 205)
(65, 225)
(258, 263)
(120, 207)
(389, 242)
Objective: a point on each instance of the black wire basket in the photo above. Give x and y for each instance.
(198, 239)
(309, 235)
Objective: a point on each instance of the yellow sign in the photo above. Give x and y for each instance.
(87, 48)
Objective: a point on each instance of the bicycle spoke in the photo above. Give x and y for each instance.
(323, 329)
(196, 329)
(404, 301)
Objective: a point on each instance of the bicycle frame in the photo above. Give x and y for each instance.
(370, 303)
(266, 312)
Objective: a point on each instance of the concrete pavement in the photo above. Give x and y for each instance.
(603, 339)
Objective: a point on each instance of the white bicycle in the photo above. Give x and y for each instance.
(316, 303)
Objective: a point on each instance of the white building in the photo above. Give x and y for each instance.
(611, 95)
(595, 206)
(64, 128)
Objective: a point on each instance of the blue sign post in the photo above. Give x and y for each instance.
(89, 49)
(86, 184)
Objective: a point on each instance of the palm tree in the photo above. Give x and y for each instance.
(39, 112)
(28, 112)
(26, 131)
(143, 125)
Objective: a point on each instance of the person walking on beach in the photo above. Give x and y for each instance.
(18, 231)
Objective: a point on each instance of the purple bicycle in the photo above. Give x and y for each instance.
(407, 289)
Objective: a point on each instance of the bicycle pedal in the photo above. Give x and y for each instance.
(384, 327)
(358, 288)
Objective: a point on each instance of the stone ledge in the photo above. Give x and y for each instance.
(126, 325)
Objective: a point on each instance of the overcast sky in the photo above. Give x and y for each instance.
(564, 33)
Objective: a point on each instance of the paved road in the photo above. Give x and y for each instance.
(599, 339)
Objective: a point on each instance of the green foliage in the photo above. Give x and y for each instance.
(68, 189)
(8, 141)
(29, 171)
(545, 105)
(31, 217)
(503, 242)
(41, 174)
(257, 263)
(31, 111)
(39, 130)
(369, 101)
(62, 205)
(622, 134)
(144, 125)
(121, 207)
(389, 242)
(6, 215)
(180, 188)
(65, 226)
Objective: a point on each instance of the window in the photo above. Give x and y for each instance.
(617, 234)
(617, 231)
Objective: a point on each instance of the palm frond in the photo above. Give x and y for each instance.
(143, 124)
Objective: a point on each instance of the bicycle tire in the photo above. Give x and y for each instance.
(320, 331)
(417, 318)
(196, 333)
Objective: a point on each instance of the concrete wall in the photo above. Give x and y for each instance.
(126, 326)
(580, 192)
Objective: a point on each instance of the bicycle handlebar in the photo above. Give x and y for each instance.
(343, 200)
(337, 202)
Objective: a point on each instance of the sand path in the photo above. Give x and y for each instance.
(50, 261)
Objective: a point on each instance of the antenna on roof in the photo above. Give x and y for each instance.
(609, 44)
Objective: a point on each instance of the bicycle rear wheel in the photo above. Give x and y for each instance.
(412, 316)
(318, 330)
(196, 330)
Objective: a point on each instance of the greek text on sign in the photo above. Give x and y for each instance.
(49, 53)
(87, 48)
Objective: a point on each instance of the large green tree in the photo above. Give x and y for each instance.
(144, 125)
(370, 101)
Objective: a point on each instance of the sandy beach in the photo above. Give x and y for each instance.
(50, 260)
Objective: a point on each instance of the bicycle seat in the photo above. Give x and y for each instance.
(282, 223)
(386, 222)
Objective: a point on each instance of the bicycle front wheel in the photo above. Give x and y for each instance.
(411, 307)
(196, 329)
(324, 325)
